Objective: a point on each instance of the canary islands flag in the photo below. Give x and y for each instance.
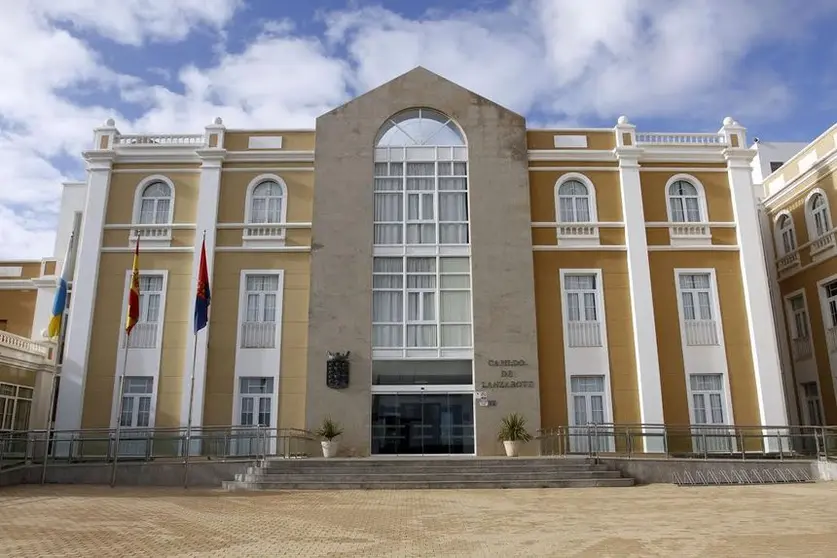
(202, 294)
(133, 294)
(60, 301)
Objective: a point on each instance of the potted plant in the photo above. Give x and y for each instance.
(328, 431)
(513, 434)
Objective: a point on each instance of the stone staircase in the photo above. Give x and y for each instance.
(408, 473)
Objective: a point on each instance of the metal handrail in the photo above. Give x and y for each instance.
(689, 441)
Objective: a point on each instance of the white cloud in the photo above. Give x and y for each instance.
(566, 61)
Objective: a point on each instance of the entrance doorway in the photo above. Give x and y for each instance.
(420, 423)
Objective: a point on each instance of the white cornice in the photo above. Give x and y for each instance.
(154, 155)
(17, 284)
(800, 182)
(46, 282)
(269, 155)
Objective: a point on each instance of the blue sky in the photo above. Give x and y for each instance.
(172, 66)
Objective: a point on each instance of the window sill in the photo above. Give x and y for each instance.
(690, 234)
(157, 236)
(263, 241)
(578, 234)
(823, 247)
(787, 262)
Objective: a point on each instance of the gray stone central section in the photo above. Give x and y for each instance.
(501, 246)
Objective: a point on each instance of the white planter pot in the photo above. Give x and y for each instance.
(329, 448)
(512, 448)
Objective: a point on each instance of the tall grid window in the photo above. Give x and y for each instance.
(136, 401)
(144, 335)
(260, 316)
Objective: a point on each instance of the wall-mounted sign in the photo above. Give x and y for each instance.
(506, 384)
(506, 363)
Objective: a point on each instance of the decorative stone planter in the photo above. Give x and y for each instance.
(512, 447)
(330, 448)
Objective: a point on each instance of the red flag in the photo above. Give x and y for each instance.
(133, 295)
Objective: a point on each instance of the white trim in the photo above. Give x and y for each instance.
(239, 226)
(263, 248)
(158, 348)
(590, 236)
(703, 236)
(571, 155)
(85, 281)
(789, 190)
(269, 156)
(829, 247)
(19, 284)
(787, 259)
(598, 224)
(163, 240)
(268, 168)
(145, 249)
(272, 240)
(274, 403)
(682, 169)
(790, 322)
(720, 347)
(697, 248)
(166, 170)
(711, 224)
(826, 320)
(123, 226)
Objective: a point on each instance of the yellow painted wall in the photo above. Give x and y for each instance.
(545, 139)
(123, 187)
(17, 309)
(291, 140)
(108, 321)
(551, 335)
(220, 386)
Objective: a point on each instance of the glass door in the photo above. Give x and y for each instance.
(418, 423)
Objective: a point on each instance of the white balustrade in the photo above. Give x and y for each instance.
(689, 230)
(266, 230)
(822, 243)
(144, 140)
(701, 333)
(143, 336)
(23, 345)
(688, 140)
(151, 232)
(584, 334)
(577, 230)
(801, 347)
(258, 335)
(788, 260)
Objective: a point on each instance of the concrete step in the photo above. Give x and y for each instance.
(428, 484)
(416, 476)
(409, 468)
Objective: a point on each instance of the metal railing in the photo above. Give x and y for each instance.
(165, 445)
(715, 441)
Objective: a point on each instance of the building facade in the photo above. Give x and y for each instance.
(800, 244)
(469, 267)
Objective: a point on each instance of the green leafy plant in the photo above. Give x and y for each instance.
(513, 429)
(329, 429)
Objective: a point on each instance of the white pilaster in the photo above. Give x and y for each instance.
(760, 320)
(205, 220)
(85, 279)
(639, 277)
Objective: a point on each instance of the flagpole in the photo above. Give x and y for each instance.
(59, 349)
(192, 386)
(119, 407)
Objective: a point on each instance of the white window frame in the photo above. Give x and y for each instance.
(787, 246)
(437, 351)
(576, 232)
(242, 308)
(136, 397)
(579, 442)
(807, 399)
(141, 361)
(160, 233)
(693, 331)
(11, 402)
(829, 323)
(822, 242)
(726, 429)
(801, 345)
(688, 232)
(274, 403)
(588, 333)
(261, 234)
(143, 322)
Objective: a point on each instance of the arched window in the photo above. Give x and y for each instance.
(573, 202)
(266, 208)
(421, 285)
(785, 235)
(820, 216)
(153, 209)
(684, 202)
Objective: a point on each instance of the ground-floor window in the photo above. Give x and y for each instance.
(423, 423)
(255, 410)
(15, 407)
(588, 409)
(707, 394)
(136, 416)
(813, 405)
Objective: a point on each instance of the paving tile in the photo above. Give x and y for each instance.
(660, 520)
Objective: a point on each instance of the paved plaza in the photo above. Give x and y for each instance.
(659, 520)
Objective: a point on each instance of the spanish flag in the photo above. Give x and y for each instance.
(133, 295)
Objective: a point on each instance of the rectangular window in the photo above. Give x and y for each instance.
(588, 409)
(696, 306)
(255, 401)
(15, 407)
(813, 405)
(259, 312)
(831, 301)
(707, 393)
(144, 334)
(800, 317)
(136, 401)
(582, 311)
(421, 302)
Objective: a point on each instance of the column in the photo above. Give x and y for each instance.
(639, 277)
(760, 323)
(212, 158)
(79, 325)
